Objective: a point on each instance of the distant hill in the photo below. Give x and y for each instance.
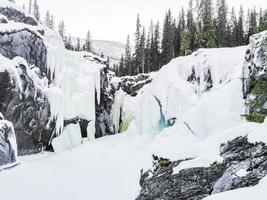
(111, 49)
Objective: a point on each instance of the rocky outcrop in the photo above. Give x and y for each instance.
(26, 44)
(8, 146)
(26, 106)
(17, 16)
(132, 84)
(244, 164)
(255, 78)
(22, 96)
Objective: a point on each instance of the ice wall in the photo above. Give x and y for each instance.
(203, 91)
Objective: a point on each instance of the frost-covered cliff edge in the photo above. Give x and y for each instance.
(42, 85)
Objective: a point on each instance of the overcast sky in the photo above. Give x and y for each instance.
(114, 19)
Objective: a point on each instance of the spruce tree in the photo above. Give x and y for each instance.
(263, 20)
(185, 43)
(142, 50)
(252, 23)
(128, 57)
(191, 26)
(232, 30)
(30, 6)
(88, 42)
(137, 49)
(47, 19)
(167, 39)
(240, 28)
(52, 22)
(148, 49)
(78, 45)
(155, 49)
(61, 29)
(36, 11)
(221, 23)
(207, 31)
(121, 70)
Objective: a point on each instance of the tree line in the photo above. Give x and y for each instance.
(205, 24)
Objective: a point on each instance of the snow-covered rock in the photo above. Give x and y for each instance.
(198, 183)
(43, 84)
(15, 13)
(23, 102)
(8, 144)
(255, 78)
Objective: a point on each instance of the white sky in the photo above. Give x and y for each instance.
(114, 19)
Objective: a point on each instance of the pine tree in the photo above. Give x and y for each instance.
(61, 29)
(252, 23)
(263, 20)
(88, 42)
(78, 45)
(121, 70)
(128, 57)
(232, 30)
(148, 49)
(30, 6)
(167, 39)
(185, 43)
(142, 50)
(191, 26)
(47, 19)
(52, 22)
(155, 49)
(240, 28)
(221, 23)
(137, 52)
(208, 32)
(176, 37)
(36, 11)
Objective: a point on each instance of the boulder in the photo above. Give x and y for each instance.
(24, 104)
(17, 16)
(244, 164)
(8, 145)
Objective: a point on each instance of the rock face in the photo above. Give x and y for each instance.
(8, 146)
(27, 108)
(17, 16)
(132, 84)
(255, 78)
(27, 45)
(244, 164)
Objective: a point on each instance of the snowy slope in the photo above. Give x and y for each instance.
(111, 49)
